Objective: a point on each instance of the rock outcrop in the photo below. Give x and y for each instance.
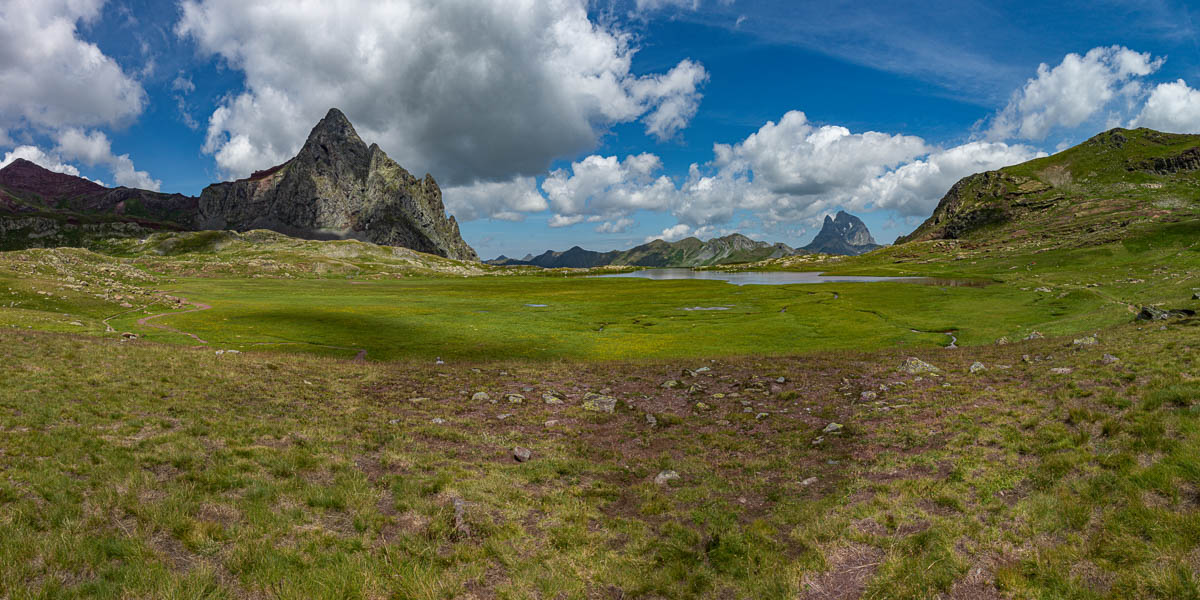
(844, 234)
(337, 187)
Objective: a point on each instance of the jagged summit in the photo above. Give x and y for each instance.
(843, 234)
(337, 187)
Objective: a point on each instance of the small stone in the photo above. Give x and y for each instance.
(718, 396)
(1085, 341)
(551, 423)
(550, 398)
(1109, 359)
(651, 420)
(817, 441)
(761, 416)
(1036, 335)
(868, 396)
(480, 397)
(1061, 370)
(514, 398)
(461, 529)
(1002, 341)
(781, 380)
(437, 421)
(703, 370)
(808, 482)
(665, 476)
(522, 454)
(702, 406)
(503, 416)
(977, 367)
(833, 428)
(1044, 290)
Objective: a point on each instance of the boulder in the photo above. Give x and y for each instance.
(664, 477)
(522, 454)
(599, 403)
(977, 367)
(915, 366)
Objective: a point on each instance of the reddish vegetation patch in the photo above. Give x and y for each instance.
(850, 568)
(24, 176)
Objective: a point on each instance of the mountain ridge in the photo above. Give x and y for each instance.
(844, 234)
(336, 187)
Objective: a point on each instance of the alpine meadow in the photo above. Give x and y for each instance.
(308, 380)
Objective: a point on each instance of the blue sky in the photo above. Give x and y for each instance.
(602, 124)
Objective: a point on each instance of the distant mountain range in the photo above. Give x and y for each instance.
(845, 234)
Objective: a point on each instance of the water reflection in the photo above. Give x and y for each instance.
(783, 277)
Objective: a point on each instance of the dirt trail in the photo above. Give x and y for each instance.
(145, 321)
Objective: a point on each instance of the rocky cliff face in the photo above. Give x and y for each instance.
(337, 187)
(844, 234)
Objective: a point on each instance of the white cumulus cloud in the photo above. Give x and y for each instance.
(503, 200)
(51, 78)
(605, 187)
(1173, 107)
(93, 148)
(472, 91)
(1074, 91)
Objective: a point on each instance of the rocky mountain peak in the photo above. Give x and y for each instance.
(337, 187)
(843, 234)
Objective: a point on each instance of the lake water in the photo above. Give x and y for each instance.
(775, 277)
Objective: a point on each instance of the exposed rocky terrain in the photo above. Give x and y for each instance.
(688, 252)
(337, 187)
(844, 235)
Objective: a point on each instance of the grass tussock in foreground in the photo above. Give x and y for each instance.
(138, 470)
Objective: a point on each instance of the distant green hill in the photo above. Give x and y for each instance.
(1087, 194)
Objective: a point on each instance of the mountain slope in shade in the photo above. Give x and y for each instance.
(844, 234)
(688, 252)
(26, 187)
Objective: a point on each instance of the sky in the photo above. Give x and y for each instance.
(604, 124)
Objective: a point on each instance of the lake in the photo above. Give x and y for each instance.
(778, 277)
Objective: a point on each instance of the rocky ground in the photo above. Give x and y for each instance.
(1047, 467)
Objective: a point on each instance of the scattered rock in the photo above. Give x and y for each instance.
(503, 416)
(1061, 370)
(1109, 359)
(551, 398)
(760, 416)
(868, 396)
(1036, 335)
(522, 454)
(665, 476)
(551, 423)
(702, 406)
(977, 367)
(1085, 341)
(780, 380)
(461, 529)
(1002, 341)
(480, 397)
(437, 421)
(817, 441)
(1152, 313)
(672, 384)
(1044, 290)
(833, 428)
(128, 337)
(651, 420)
(514, 398)
(599, 403)
(913, 366)
(808, 482)
(1196, 296)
